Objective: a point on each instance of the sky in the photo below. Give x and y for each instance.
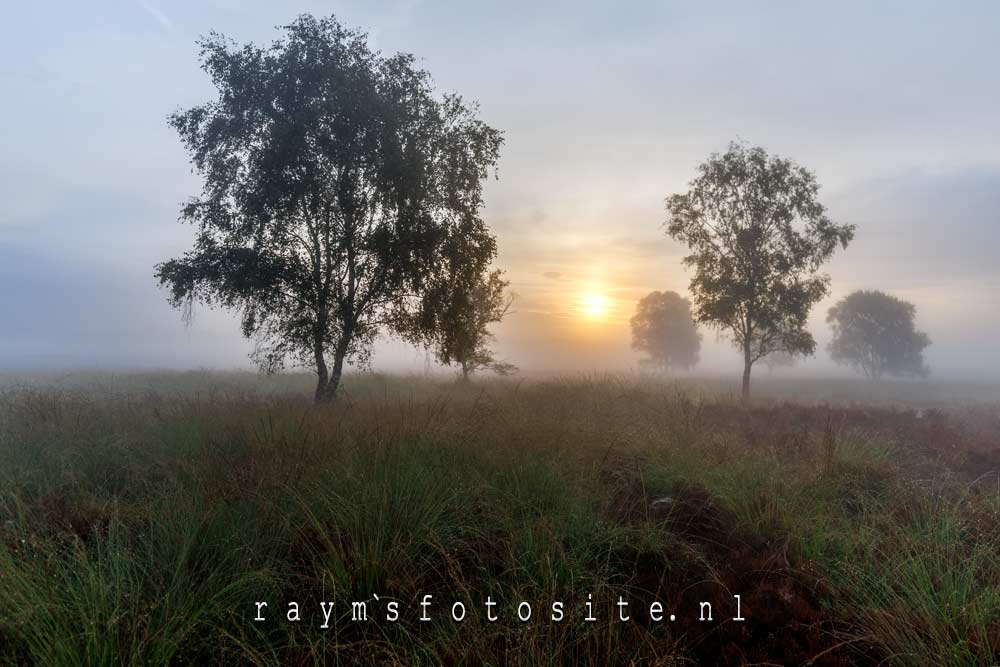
(606, 108)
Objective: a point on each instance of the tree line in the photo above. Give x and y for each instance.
(758, 235)
(873, 332)
(342, 199)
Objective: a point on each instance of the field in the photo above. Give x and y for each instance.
(144, 517)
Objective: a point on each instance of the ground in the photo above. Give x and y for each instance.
(143, 517)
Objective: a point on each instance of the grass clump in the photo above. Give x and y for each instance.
(143, 524)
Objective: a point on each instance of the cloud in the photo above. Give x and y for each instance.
(554, 275)
(923, 227)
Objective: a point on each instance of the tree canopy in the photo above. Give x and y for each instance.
(875, 333)
(758, 236)
(333, 179)
(455, 315)
(779, 359)
(662, 327)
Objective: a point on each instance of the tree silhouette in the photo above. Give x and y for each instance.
(757, 235)
(332, 178)
(662, 327)
(779, 359)
(455, 316)
(875, 333)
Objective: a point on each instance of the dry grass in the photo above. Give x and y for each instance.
(141, 517)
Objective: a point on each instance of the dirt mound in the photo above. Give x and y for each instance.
(691, 512)
(789, 613)
(624, 497)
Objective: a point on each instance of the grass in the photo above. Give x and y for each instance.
(143, 517)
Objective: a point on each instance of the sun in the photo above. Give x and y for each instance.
(595, 306)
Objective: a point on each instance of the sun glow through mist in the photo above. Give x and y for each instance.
(595, 306)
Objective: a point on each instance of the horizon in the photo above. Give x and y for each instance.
(898, 123)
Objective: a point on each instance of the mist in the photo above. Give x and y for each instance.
(605, 113)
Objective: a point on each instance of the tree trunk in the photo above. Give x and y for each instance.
(322, 375)
(328, 393)
(465, 372)
(747, 363)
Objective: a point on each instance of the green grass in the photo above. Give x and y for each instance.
(142, 518)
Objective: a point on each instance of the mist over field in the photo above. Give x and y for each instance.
(894, 108)
(438, 333)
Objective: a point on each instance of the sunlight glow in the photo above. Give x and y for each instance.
(595, 306)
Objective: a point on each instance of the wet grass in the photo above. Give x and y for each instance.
(142, 519)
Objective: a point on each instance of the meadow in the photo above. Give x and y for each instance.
(143, 517)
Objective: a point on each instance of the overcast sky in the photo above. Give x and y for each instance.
(606, 108)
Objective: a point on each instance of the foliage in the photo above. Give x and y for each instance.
(758, 235)
(332, 178)
(662, 327)
(779, 359)
(455, 314)
(875, 333)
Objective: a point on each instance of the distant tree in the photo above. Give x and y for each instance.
(662, 327)
(757, 235)
(332, 178)
(875, 333)
(455, 317)
(779, 359)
